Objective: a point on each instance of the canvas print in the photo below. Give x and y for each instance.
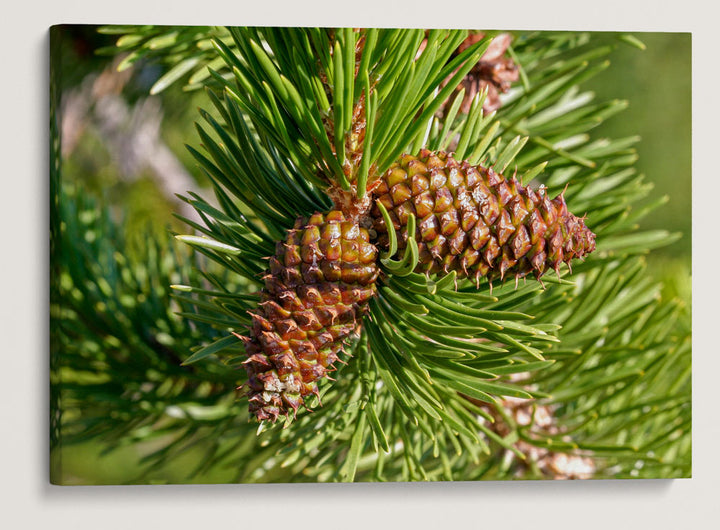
(365, 254)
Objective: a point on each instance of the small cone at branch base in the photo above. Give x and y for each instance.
(541, 422)
(319, 282)
(476, 222)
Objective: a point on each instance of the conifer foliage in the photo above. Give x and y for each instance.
(444, 366)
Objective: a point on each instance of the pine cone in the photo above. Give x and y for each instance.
(475, 221)
(541, 421)
(319, 283)
(493, 71)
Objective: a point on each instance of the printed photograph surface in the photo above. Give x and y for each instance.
(302, 254)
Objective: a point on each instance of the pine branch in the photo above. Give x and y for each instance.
(186, 50)
(119, 342)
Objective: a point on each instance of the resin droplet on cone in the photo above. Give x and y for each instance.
(476, 222)
(319, 282)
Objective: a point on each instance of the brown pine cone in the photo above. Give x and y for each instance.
(318, 285)
(475, 221)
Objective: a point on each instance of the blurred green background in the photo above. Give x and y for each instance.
(656, 82)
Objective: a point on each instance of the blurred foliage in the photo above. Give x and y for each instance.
(95, 163)
(657, 83)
